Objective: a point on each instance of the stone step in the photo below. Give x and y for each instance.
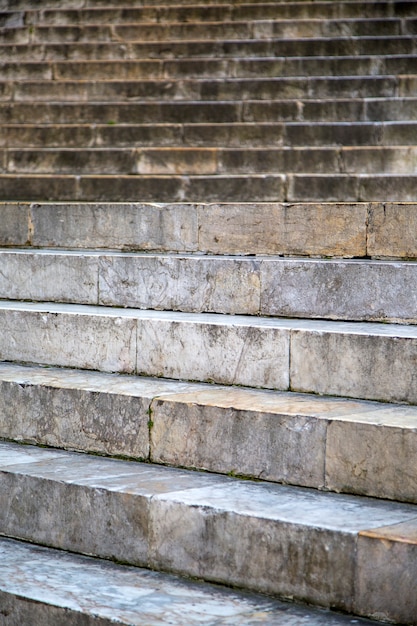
(220, 135)
(224, 12)
(210, 68)
(190, 161)
(331, 230)
(210, 89)
(176, 31)
(321, 548)
(265, 187)
(45, 586)
(392, 6)
(325, 443)
(250, 48)
(354, 359)
(258, 111)
(355, 290)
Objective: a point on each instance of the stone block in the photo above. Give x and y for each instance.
(230, 431)
(286, 229)
(77, 338)
(14, 224)
(362, 361)
(192, 283)
(392, 230)
(349, 290)
(49, 276)
(135, 226)
(374, 453)
(386, 573)
(235, 351)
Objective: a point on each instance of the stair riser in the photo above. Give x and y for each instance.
(224, 13)
(211, 112)
(313, 357)
(236, 89)
(216, 188)
(213, 68)
(153, 507)
(206, 49)
(212, 161)
(292, 288)
(299, 440)
(350, 230)
(237, 135)
(211, 30)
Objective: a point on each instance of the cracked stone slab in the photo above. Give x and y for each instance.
(47, 587)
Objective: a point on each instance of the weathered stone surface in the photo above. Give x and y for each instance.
(192, 283)
(298, 229)
(229, 350)
(369, 361)
(392, 230)
(70, 338)
(284, 540)
(14, 224)
(127, 226)
(44, 275)
(233, 431)
(44, 586)
(350, 290)
(374, 453)
(386, 573)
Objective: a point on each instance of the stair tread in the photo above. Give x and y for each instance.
(82, 585)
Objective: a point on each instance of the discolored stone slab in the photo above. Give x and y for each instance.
(240, 432)
(45, 275)
(184, 283)
(213, 348)
(288, 229)
(359, 360)
(126, 226)
(14, 224)
(71, 338)
(392, 230)
(386, 573)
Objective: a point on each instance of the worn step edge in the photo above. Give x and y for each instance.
(324, 443)
(216, 528)
(46, 586)
(355, 359)
(309, 229)
(350, 290)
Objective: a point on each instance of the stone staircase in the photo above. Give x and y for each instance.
(208, 309)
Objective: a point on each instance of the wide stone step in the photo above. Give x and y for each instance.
(325, 443)
(322, 548)
(345, 290)
(178, 160)
(211, 68)
(221, 135)
(211, 13)
(46, 586)
(258, 111)
(357, 359)
(287, 88)
(265, 187)
(250, 48)
(177, 31)
(324, 229)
